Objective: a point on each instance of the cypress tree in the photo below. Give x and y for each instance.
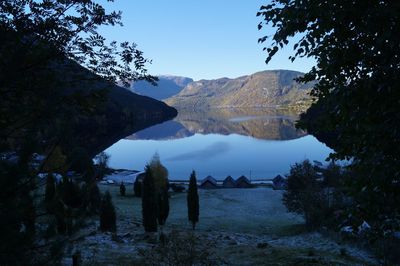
(122, 189)
(193, 200)
(107, 214)
(163, 207)
(137, 188)
(149, 203)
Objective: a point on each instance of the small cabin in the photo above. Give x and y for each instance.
(229, 182)
(177, 188)
(279, 182)
(243, 182)
(209, 182)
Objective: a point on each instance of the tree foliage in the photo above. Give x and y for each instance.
(81, 162)
(193, 200)
(303, 194)
(41, 40)
(357, 52)
(161, 186)
(160, 173)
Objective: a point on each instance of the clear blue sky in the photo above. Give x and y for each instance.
(203, 39)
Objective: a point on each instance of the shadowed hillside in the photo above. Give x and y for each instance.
(123, 113)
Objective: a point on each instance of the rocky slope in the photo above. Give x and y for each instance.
(262, 89)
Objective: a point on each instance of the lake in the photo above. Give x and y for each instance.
(257, 143)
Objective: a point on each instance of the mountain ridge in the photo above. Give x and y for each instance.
(167, 86)
(261, 89)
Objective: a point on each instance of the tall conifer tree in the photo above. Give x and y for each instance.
(193, 201)
(149, 203)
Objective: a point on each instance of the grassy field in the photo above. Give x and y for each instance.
(257, 210)
(236, 227)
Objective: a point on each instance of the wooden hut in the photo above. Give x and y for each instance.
(243, 182)
(229, 182)
(279, 182)
(209, 182)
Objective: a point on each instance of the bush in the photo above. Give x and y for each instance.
(93, 198)
(304, 194)
(181, 249)
(122, 189)
(107, 214)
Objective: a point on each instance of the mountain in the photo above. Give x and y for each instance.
(262, 89)
(167, 86)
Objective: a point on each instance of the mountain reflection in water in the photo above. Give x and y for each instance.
(258, 143)
(208, 152)
(260, 123)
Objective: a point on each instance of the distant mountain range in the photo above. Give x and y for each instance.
(167, 86)
(262, 89)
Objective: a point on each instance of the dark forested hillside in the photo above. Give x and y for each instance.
(123, 113)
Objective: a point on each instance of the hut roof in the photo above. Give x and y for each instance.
(229, 182)
(209, 179)
(278, 178)
(229, 178)
(243, 179)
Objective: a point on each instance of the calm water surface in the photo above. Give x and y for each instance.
(258, 143)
